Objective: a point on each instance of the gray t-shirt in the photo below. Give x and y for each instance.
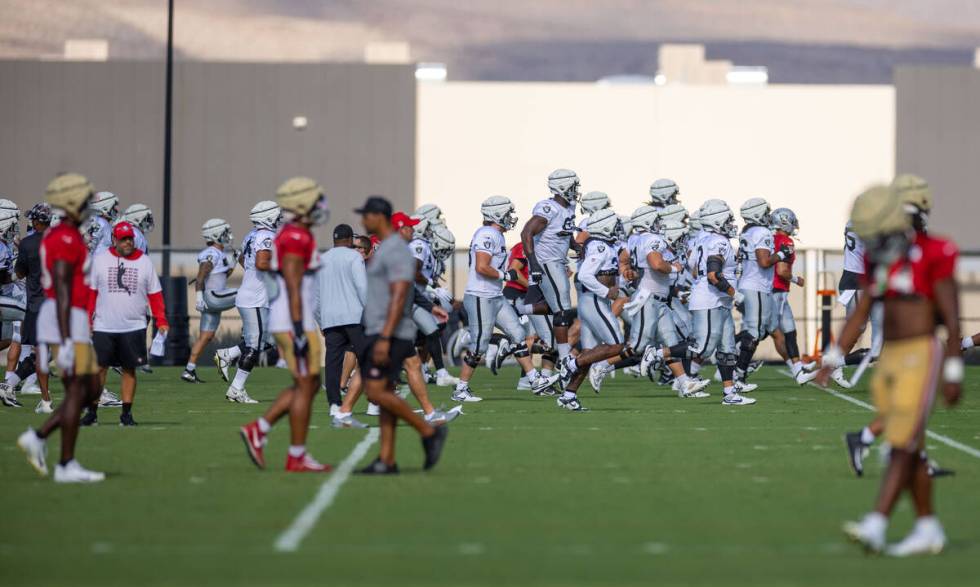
(393, 261)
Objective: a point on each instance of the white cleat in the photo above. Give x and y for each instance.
(222, 362)
(567, 368)
(43, 407)
(597, 373)
(838, 376)
(36, 451)
(745, 387)
(8, 396)
(869, 532)
(446, 380)
(809, 366)
(462, 342)
(927, 537)
(524, 384)
(373, 409)
(649, 360)
(571, 404)
(633, 371)
(109, 399)
(238, 396)
(33, 389)
(491, 356)
(694, 388)
(72, 472)
(734, 399)
(803, 376)
(346, 420)
(440, 418)
(545, 385)
(465, 395)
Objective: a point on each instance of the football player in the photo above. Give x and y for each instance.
(98, 229)
(429, 316)
(782, 326)
(141, 217)
(211, 296)
(252, 301)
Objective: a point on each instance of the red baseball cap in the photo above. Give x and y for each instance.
(123, 230)
(400, 220)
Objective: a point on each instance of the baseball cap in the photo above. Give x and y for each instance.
(375, 205)
(123, 230)
(342, 232)
(400, 220)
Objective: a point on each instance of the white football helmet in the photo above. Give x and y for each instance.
(7, 205)
(9, 225)
(717, 217)
(140, 216)
(499, 210)
(663, 192)
(217, 230)
(785, 220)
(266, 214)
(423, 229)
(674, 231)
(643, 218)
(756, 211)
(625, 226)
(430, 212)
(694, 221)
(443, 242)
(105, 204)
(605, 224)
(564, 183)
(671, 213)
(593, 201)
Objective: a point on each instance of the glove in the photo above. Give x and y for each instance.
(785, 252)
(633, 306)
(66, 356)
(510, 275)
(199, 304)
(444, 296)
(738, 298)
(535, 271)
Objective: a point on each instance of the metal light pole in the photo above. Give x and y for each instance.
(167, 131)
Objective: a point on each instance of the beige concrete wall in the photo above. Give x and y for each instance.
(811, 148)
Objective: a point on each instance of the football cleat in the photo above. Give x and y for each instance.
(254, 440)
(491, 356)
(755, 366)
(190, 376)
(238, 396)
(35, 449)
(433, 446)
(856, 451)
(446, 380)
(126, 420)
(378, 467)
(633, 371)
(567, 368)
(43, 407)
(927, 537)
(571, 404)
(72, 472)
(545, 385)
(810, 366)
(803, 376)
(305, 464)
(91, 418)
(694, 388)
(838, 376)
(346, 420)
(734, 399)
(32, 389)
(523, 384)
(8, 396)
(869, 533)
(649, 360)
(464, 394)
(597, 373)
(935, 470)
(222, 363)
(745, 387)
(109, 400)
(505, 350)
(145, 368)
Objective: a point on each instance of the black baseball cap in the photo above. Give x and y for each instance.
(342, 232)
(375, 205)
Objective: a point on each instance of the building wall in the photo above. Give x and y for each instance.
(811, 148)
(233, 135)
(938, 137)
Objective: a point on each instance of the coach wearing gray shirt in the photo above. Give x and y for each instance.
(390, 335)
(342, 289)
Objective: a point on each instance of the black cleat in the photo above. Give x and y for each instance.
(90, 418)
(191, 376)
(378, 467)
(855, 452)
(936, 471)
(433, 446)
(145, 368)
(126, 420)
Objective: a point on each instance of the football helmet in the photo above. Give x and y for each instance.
(301, 197)
(669, 213)
(140, 216)
(593, 201)
(605, 224)
(785, 220)
(499, 210)
(694, 221)
(673, 232)
(266, 214)
(717, 217)
(217, 230)
(39, 213)
(443, 242)
(879, 219)
(564, 183)
(105, 204)
(756, 211)
(423, 229)
(643, 218)
(430, 212)
(9, 225)
(6, 205)
(663, 192)
(70, 193)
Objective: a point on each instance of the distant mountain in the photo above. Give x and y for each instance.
(814, 41)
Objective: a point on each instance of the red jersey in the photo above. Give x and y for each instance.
(295, 240)
(929, 260)
(517, 254)
(65, 243)
(780, 239)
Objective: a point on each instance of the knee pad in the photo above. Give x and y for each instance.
(472, 359)
(521, 350)
(249, 359)
(539, 348)
(495, 338)
(564, 318)
(551, 356)
(26, 367)
(726, 359)
(680, 351)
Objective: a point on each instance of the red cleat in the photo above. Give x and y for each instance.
(305, 464)
(254, 440)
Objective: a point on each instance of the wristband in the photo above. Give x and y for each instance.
(501, 275)
(833, 357)
(953, 370)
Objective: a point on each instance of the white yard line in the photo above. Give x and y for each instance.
(933, 435)
(290, 539)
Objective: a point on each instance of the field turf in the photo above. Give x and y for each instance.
(643, 489)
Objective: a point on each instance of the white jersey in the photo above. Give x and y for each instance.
(754, 277)
(601, 258)
(853, 252)
(551, 244)
(704, 295)
(253, 292)
(220, 266)
(651, 280)
(422, 251)
(101, 231)
(139, 240)
(487, 239)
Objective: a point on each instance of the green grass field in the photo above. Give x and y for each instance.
(643, 489)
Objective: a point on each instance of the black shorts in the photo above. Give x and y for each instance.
(513, 294)
(120, 349)
(848, 280)
(399, 351)
(28, 327)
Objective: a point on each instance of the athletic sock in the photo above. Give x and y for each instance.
(232, 353)
(462, 385)
(190, 366)
(695, 367)
(867, 436)
(241, 376)
(568, 395)
(127, 407)
(264, 425)
(564, 349)
(297, 450)
(729, 390)
(532, 374)
(789, 363)
(11, 378)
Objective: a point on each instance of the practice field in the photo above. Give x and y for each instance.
(643, 489)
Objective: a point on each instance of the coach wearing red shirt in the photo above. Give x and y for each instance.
(123, 281)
